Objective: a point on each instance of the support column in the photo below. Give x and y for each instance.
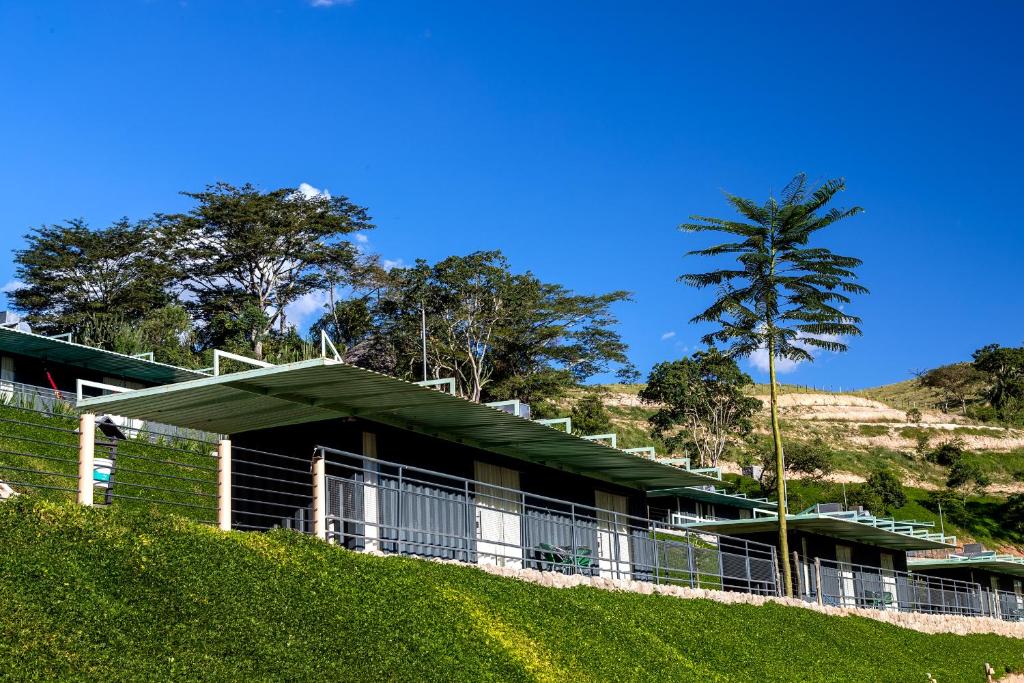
(224, 485)
(371, 509)
(817, 580)
(319, 497)
(86, 456)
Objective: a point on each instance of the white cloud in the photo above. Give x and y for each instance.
(302, 309)
(360, 238)
(388, 264)
(12, 286)
(759, 359)
(330, 3)
(309, 192)
(668, 335)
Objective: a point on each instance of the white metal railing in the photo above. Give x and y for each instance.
(842, 584)
(380, 505)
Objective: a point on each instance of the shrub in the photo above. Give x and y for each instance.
(946, 454)
(887, 486)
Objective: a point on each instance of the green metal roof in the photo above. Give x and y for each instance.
(999, 564)
(719, 497)
(99, 360)
(322, 389)
(885, 533)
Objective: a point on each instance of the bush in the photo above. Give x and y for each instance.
(873, 430)
(885, 484)
(1013, 512)
(951, 505)
(966, 474)
(946, 454)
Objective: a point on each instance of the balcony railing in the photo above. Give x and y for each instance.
(842, 584)
(384, 506)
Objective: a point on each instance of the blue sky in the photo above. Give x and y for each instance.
(574, 136)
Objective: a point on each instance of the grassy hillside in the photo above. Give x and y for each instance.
(112, 595)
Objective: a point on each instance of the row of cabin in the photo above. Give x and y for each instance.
(537, 483)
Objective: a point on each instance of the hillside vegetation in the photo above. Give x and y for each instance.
(93, 594)
(862, 432)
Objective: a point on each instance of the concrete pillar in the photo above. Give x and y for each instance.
(224, 485)
(371, 508)
(319, 497)
(86, 456)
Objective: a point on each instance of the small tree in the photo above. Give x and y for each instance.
(914, 415)
(782, 296)
(966, 477)
(1013, 512)
(810, 461)
(1003, 369)
(886, 485)
(589, 416)
(946, 454)
(702, 404)
(957, 383)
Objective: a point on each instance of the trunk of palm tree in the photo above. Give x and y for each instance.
(780, 474)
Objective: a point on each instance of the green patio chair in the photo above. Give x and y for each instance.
(561, 558)
(878, 599)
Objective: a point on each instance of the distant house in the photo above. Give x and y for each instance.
(1000, 575)
(39, 368)
(414, 470)
(841, 557)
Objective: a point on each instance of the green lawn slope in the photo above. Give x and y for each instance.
(95, 594)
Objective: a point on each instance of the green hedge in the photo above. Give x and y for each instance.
(94, 594)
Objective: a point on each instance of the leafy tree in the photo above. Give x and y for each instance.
(946, 454)
(966, 476)
(167, 332)
(1003, 368)
(1013, 512)
(914, 415)
(783, 295)
(71, 274)
(589, 416)
(811, 461)
(886, 485)
(703, 407)
(952, 505)
(500, 334)
(245, 255)
(958, 383)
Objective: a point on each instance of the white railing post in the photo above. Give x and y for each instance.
(86, 456)
(319, 497)
(817, 580)
(224, 485)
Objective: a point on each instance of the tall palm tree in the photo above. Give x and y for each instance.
(783, 296)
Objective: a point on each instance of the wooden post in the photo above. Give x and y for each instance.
(86, 456)
(319, 497)
(817, 579)
(224, 485)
